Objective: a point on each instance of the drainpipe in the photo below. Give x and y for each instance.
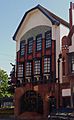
(60, 56)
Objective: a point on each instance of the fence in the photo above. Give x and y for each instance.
(6, 102)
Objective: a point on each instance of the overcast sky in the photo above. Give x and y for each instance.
(11, 13)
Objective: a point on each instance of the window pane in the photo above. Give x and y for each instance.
(30, 45)
(73, 66)
(72, 63)
(28, 68)
(48, 39)
(22, 48)
(39, 42)
(46, 65)
(37, 67)
(20, 72)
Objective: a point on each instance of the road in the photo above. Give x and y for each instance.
(7, 118)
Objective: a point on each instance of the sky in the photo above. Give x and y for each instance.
(11, 13)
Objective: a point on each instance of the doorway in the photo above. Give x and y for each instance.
(31, 101)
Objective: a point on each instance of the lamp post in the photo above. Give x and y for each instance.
(60, 56)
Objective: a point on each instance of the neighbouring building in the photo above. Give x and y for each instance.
(38, 46)
(68, 63)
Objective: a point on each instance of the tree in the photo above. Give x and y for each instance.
(3, 84)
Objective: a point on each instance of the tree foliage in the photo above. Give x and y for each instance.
(3, 84)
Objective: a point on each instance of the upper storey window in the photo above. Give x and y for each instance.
(20, 75)
(48, 39)
(28, 68)
(37, 67)
(47, 65)
(72, 64)
(30, 45)
(22, 48)
(39, 42)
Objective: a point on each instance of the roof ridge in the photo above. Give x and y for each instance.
(55, 16)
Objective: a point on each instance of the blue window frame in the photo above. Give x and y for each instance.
(39, 42)
(30, 45)
(48, 40)
(22, 48)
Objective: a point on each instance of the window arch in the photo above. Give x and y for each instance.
(31, 101)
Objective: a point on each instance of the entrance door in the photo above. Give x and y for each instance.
(31, 102)
(52, 104)
(66, 101)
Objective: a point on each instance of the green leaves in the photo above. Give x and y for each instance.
(3, 84)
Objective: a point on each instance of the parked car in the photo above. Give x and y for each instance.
(62, 114)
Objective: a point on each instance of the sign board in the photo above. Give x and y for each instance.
(66, 92)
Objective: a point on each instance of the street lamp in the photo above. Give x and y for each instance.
(59, 58)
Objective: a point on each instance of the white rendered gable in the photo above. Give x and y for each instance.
(33, 19)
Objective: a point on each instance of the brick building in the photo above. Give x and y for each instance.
(38, 44)
(68, 63)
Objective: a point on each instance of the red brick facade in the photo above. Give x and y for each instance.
(67, 66)
(37, 94)
(46, 89)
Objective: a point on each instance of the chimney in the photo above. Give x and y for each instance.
(71, 14)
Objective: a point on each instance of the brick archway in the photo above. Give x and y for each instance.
(31, 101)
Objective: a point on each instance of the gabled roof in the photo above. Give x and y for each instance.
(52, 17)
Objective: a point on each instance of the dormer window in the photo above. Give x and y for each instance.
(30, 45)
(39, 42)
(48, 39)
(22, 48)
